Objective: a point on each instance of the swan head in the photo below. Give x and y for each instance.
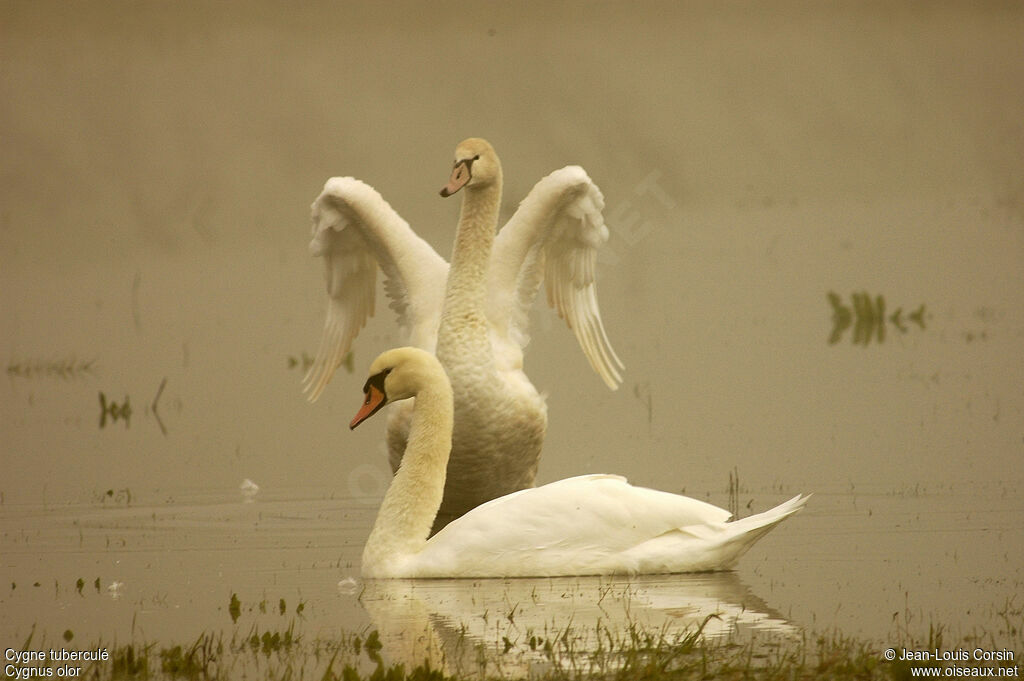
(397, 375)
(476, 165)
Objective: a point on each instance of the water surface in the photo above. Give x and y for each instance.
(158, 300)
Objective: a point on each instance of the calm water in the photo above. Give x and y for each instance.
(158, 301)
(864, 561)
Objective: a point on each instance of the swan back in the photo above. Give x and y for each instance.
(591, 524)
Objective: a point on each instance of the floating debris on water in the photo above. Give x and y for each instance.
(868, 318)
(348, 586)
(249, 490)
(121, 497)
(116, 589)
(116, 412)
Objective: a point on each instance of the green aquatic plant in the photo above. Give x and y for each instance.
(734, 492)
(563, 652)
(112, 412)
(304, 362)
(130, 662)
(67, 368)
(154, 406)
(192, 662)
(272, 642)
(116, 412)
(638, 655)
(868, 318)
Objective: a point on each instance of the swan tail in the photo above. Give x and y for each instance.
(771, 517)
(740, 535)
(708, 547)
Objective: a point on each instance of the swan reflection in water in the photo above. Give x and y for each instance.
(529, 625)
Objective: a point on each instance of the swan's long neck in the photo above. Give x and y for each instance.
(411, 502)
(464, 326)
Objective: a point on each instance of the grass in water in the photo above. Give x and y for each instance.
(276, 656)
(635, 654)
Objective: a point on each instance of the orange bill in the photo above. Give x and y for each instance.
(460, 176)
(375, 399)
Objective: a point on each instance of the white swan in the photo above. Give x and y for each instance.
(587, 525)
(474, 316)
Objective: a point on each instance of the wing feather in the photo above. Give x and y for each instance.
(585, 520)
(356, 231)
(554, 237)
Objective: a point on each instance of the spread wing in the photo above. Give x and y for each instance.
(355, 231)
(554, 237)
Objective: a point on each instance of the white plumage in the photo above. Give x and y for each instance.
(591, 525)
(474, 314)
(586, 525)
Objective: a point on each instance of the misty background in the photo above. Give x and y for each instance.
(159, 161)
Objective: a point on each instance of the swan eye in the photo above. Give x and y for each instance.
(377, 381)
(477, 157)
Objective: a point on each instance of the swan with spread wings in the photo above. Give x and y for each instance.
(472, 314)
